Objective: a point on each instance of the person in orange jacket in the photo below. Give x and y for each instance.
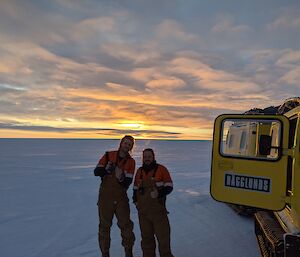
(152, 184)
(116, 169)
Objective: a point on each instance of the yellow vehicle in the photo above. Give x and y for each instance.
(256, 163)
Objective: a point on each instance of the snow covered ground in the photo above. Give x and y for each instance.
(48, 197)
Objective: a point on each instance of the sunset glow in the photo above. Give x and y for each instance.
(131, 125)
(165, 70)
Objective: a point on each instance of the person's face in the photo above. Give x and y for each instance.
(147, 157)
(126, 145)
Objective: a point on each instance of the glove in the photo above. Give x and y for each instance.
(99, 171)
(164, 191)
(110, 167)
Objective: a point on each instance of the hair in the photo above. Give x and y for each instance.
(149, 150)
(129, 138)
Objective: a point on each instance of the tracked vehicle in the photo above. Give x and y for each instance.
(256, 163)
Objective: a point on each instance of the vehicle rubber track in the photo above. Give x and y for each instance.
(269, 234)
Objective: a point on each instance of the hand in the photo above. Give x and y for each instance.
(119, 174)
(109, 167)
(154, 193)
(99, 171)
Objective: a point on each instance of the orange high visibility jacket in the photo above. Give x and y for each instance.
(161, 176)
(127, 164)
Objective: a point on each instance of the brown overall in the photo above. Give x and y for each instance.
(113, 200)
(153, 220)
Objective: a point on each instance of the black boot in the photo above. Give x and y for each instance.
(105, 254)
(128, 252)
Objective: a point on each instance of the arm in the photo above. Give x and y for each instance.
(128, 173)
(126, 182)
(164, 191)
(100, 170)
(136, 186)
(167, 188)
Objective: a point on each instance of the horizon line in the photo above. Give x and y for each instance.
(59, 138)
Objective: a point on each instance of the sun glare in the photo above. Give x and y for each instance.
(131, 125)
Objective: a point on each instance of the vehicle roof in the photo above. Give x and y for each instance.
(293, 112)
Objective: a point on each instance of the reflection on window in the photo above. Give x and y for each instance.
(243, 141)
(251, 138)
(230, 145)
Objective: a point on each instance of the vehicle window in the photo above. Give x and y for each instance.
(231, 138)
(292, 143)
(259, 139)
(243, 141)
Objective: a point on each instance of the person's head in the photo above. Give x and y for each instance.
(126, 144)
(148, 156)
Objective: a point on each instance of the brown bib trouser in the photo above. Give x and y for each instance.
(113, 200)
(153, 220)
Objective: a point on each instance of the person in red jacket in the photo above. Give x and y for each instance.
(152, 184)
(116, 169)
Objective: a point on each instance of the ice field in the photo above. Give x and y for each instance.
(48, 196)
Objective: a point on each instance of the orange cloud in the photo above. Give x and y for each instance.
(165, 83)
(89, 76)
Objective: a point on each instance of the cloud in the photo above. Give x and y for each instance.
(98, 64)
(289, 59)
(289, 63)
(102, 131)
(175, 91)
(114, 27)
(275, 71)
(29, 21)
(292, 77)
(226, 34)
(173, 30)
(206, 77)
(287, 19)
(225, 25)
(6, 87)
(166, 83)
(179, 89)
(136, 54)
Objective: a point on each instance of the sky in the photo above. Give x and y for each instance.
(153, 69)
